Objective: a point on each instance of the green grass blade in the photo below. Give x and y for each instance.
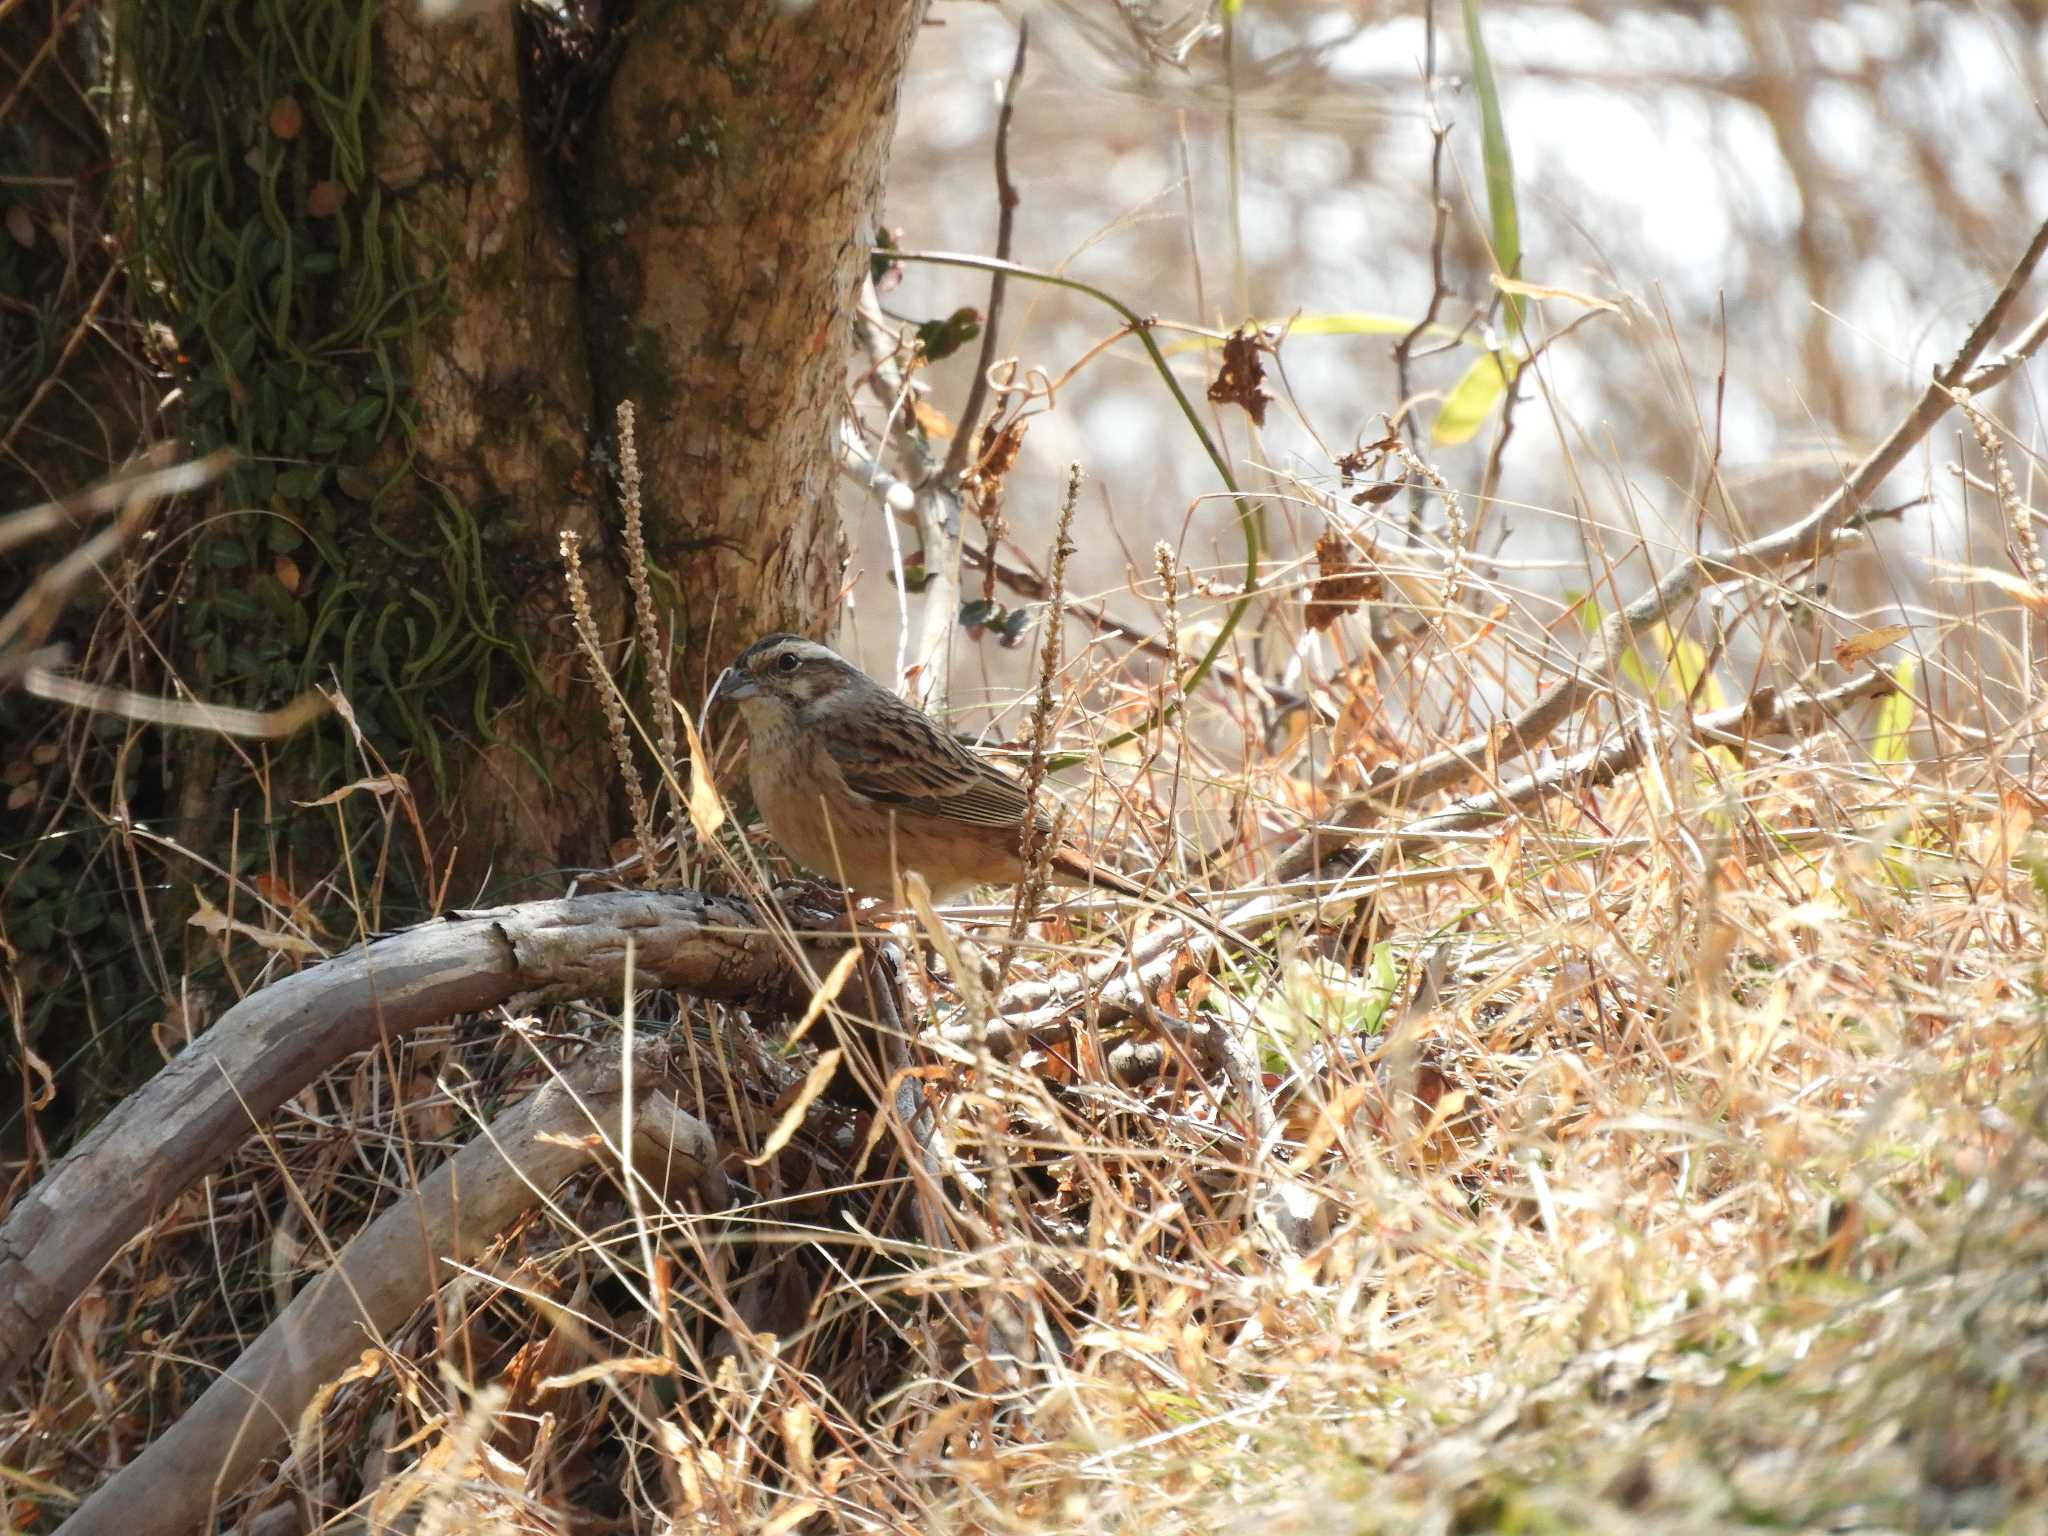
(1500, 165)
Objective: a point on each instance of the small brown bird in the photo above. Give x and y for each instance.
(856, 784)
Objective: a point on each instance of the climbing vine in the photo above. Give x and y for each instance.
(284, 294)
(291, 291)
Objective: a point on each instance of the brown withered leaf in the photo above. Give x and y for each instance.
(1243, 378)
(1869, 643)
(1341, 583)
(999, 449)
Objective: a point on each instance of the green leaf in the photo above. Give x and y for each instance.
(365, 411)
(238, 607)
(1470, 401)
(225, 553)
(356, 484)
(301, 481)
(1383, 980)
(1895, 716)
(1500, 165)
(2037, 870)
(1675, 678)
(939, 339)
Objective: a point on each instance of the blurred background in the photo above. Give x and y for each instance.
(1795, 211)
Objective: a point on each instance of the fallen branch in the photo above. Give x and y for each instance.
(186, 1121)
(381, 1278)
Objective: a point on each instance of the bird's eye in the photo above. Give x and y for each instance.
(789, 661)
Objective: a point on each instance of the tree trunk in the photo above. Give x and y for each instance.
(408, 270)
(506, 429)
(732, 188)
(694, 246)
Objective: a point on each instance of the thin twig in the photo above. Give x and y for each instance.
(1007, 199)
(1800, 543)
(1040, 841)
(1404, 348)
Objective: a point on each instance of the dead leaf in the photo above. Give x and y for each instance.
(1341, 583)
(707, 811)
(287, 117)
(286, 570)
(1242, 379)
(790, 1516)
(46, 1080)
(1544, 291)
(1869, 643)
(22, 225)
(382, 785)
(934, 421)
(828, 989)
(2011, 585)
(606, 1370)
(210, 919)
(583, 1142)
(324, 199)
(999, 449)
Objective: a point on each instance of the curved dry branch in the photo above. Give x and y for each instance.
(1804, 540)
(186, 1120)
(380, 1279)
(1121, 984)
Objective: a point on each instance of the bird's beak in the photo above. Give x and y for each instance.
(732, 685)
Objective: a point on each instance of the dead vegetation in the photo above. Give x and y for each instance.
(1652, 1130)
(1629, 1111)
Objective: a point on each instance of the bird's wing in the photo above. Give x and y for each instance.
(898, 758)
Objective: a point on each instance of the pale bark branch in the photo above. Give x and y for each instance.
(187, 1120)
(379, 1280)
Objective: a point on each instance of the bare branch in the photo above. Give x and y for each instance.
(1805, 540)
(186, 1120)
(1007, 199)
(380, 1279)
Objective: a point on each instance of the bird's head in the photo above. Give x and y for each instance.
(786, 674)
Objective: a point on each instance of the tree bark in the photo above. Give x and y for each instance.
(696, 248)
(505, 428)
(734, 176)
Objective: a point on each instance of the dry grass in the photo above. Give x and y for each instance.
(1679, 1145)
(1670, 1151)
